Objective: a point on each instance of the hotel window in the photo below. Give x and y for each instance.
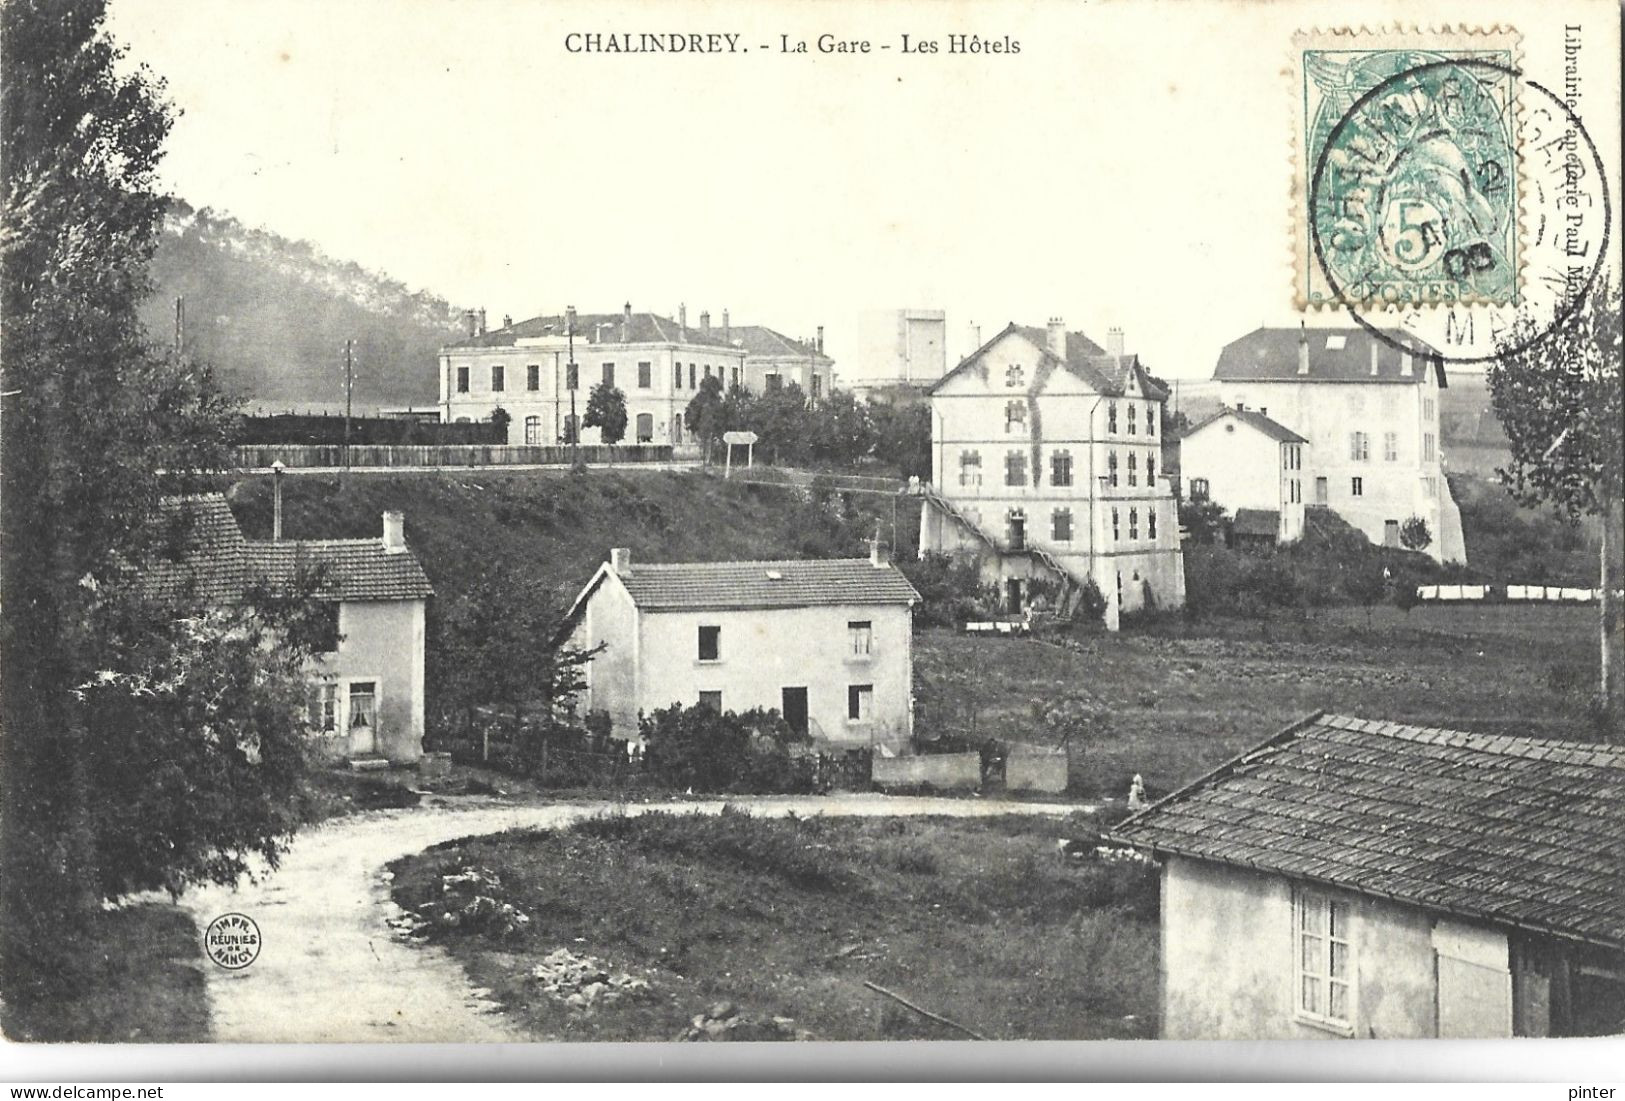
(1390, 447)
(1133, 524)
(1151, 470)
(1013, 375)
(1111, 469)
(498, 376)
(1356, 487)
(324, 706)
(712, 700)
(676, 376)
(1199, 489)
(710, 643)
(1015, 416)
(572, 377)
(1133, 419)
(970, 468)
(1111, 417)
(645, 376)
(860, 702)
(609, 374)
(860, 637)
(1133, 467)
(1060, 468)
(1117, 532)
(1427, 447)
(1061, 525)
(533, 376)
(693, 379)
(1150, 420)
(1151, 524)
(1323, 950)
(462, 380)
(533, 430)
(1015, 469)
(1359, 447)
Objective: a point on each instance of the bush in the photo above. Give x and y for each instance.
(701, 749)
(950, 588)
(731, 837)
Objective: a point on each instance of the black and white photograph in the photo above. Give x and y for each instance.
(904, 525)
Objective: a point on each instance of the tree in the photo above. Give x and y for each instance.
(606, 411)
(1414, 534)
(705, 416)
(501, 418)
(840, 430)
(903, 437)
(1558, 398)
(1205, 520)
(779, 417)
(95, 413)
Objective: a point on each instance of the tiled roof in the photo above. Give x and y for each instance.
(599, 328)
(1516, 831)
(1252, 417)
(204, 556)
(351, 569)
(671, 586)
(1256, 521)
(1106, 374)
(1335, 355)
(759, 340)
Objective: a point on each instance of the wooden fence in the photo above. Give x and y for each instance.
(373, 457)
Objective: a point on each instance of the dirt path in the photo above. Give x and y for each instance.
(330, 968)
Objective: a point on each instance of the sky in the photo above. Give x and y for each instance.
(1130, 167)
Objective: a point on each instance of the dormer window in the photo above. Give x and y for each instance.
(1013, 375)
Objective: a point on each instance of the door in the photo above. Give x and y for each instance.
(363, 712)
(1390, 533)
(1012, 595)
(646, 427)
(1322, 495)
(795, 709)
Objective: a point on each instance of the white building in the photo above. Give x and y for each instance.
(1242, 459)
(1045, 456)
(1371, 415)
(773, 360)
(523, 368)
(827, 643)
(897, 354)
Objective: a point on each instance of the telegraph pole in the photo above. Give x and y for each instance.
(572, 380)
(349, 386)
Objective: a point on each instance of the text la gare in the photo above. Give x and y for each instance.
(910, 44)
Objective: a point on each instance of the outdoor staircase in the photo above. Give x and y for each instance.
(368, 762)
(1071, 585)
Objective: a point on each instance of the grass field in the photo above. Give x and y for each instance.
(1181, 699)
(976, 921)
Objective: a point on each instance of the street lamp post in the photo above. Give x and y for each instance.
(571, 380)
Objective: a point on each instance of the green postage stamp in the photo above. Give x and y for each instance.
(1408, 183)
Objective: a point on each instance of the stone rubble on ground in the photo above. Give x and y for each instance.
(723, 1021)
(584, 982)
(468, 901)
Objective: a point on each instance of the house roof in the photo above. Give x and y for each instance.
(1515, 831)
(759, 340)
(1253, 419)
(1335, 355)
(214, 563)
(599, 328)
(1106, 374)
(1256, 521)
(677, 586)
(350, 569)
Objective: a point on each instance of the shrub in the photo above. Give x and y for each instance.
(950, 588)
(704, 750)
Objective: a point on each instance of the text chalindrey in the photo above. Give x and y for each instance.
(645, 42)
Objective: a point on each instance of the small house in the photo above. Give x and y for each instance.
(1253, 466)
(826, 642)
(1358, 878)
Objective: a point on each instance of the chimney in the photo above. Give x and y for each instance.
(394, 532)
(1114, 342)
(481, 322)
(1057, 336)
(975, 337)
(682, 317)
(620, 561)
(727, 329)
(507, 321)
(626, 323)
(1374, 359)
(705, 321)
(569, 319)
(820, 344)
(1303, 349)
(277, 469)
(472, 320)
(877, 557)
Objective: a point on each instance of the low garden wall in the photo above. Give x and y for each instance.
(305, 456)
(940, 770)
(1034, 768)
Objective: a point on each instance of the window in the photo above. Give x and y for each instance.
(324, 706)
(1359, 446)
(860, 702)
(1111, 417)
(1150, 420)
(1060, 468)
(693, 379)
(860, 637)
(1133, 467)
(646, 373)
(1061, 525)
(1294, 492)
(572, 377)
(1390, 447)
(1013, 375)
(1151, 524)
(462, 380)
(1199, 489)
(1151, 470)
(609, 374)
(1111, 469)
(1117, 532)
(817, 386)
(712, 700)
(1323, 952)
(1427, 410)
(1133, 419)
(772, 381)
(705, 371)
(533, 376)
(1133, 523)
(363, 701)
(710, 643)
(1356, 487)
(498, 377)
(676, 376)
(326, 639)
(736, 376)
(970, 468)
(1427, 447)
(533, 431)
(1015, 523)
(646, 428)
(1431, 485)
(1015, 416)
(1015, 469)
